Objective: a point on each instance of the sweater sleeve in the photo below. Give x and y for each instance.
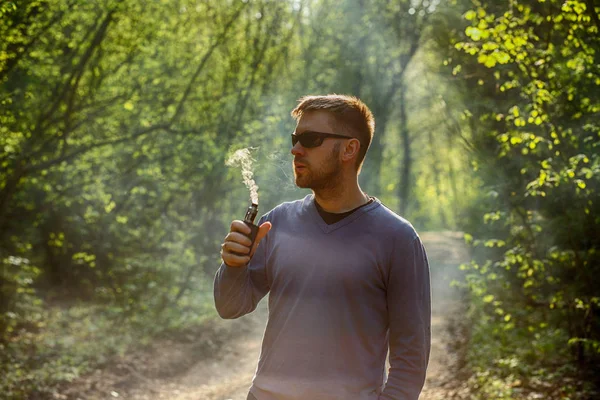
(237, 291)
(409, 313)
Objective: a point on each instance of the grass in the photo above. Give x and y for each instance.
(66, 342)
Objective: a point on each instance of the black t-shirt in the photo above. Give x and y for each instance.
(332, 218)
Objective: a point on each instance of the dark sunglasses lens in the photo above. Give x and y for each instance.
(306, 140)
(310, 139)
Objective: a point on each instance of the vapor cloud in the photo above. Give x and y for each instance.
(243, 159)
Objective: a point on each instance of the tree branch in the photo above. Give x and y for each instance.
(83, 149)
(203, 62)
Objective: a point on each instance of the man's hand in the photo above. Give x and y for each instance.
(235, 249)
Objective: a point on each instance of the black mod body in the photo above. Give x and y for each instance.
(253, 232)
(249, 220)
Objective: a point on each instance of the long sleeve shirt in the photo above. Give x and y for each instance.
(340, 295)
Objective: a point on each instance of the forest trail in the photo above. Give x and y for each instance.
(219, 363)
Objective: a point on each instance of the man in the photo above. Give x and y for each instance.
(346, 276)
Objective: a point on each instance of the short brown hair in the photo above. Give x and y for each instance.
(352, 115)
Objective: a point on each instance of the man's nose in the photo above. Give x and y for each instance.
(297, 149)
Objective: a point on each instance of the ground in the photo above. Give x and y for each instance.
(218, 362)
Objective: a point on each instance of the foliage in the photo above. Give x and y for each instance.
(114, 128)
(533, 67)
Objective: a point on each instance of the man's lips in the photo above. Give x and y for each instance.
(299, 166)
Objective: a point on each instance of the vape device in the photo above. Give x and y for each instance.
(249, 220)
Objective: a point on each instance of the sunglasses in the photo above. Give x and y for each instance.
(309, 139)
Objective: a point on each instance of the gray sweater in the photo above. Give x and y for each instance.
(338, 296)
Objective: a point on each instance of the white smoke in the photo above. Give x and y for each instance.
(243, 159)
(281, 160)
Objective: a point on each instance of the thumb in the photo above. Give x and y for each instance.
(262, 232)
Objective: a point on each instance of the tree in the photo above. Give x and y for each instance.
(531, 69)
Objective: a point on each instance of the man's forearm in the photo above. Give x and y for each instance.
(232, 292)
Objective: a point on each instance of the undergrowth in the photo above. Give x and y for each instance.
(69, 341)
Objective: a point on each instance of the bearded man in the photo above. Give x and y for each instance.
(347, 278)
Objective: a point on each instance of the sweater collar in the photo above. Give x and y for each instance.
(311, 210)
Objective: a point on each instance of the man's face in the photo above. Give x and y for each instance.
(319, 167)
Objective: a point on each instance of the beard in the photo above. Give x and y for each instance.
(323, 177)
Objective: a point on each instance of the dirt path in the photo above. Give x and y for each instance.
(445, 250)
(190, 370)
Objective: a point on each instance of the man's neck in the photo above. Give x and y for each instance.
(342, 198)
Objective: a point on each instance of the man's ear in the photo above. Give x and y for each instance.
(351, 149)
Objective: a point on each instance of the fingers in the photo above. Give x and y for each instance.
(234, 260)
(230, 246)
(235, 250)
(262, 232)
(240, 226)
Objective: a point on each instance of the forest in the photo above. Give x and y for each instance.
(118, 117)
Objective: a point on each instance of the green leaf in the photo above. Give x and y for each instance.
(470, 15)
(468, 238)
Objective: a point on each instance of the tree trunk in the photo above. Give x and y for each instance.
(436, 175)
(405, 167)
